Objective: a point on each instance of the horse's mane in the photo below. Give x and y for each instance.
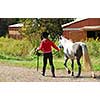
(67, 43)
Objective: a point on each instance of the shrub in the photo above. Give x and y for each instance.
(93, 47)
(13, 47)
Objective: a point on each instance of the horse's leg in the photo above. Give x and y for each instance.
(72, 67)
(79, 68)
(65, 64)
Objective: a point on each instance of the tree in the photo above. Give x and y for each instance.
(53, 25)
(30, 30)
(33, 27)
(4, 23)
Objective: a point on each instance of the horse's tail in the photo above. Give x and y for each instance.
(86, 60)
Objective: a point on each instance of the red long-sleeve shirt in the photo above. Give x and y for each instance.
(46, 46)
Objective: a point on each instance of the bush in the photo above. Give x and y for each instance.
(11, 47)
(93, 47)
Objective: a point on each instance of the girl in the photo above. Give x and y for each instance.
(46, 46)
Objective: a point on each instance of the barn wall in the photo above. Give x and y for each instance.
(14, 33)
(75, 35)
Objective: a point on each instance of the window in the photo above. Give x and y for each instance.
(93, 34)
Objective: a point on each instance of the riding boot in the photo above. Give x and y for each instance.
(44, 68)
(53, 75)
(53, 71)
(69, 71)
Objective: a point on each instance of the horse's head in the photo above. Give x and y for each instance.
(60, 46)
(65, 42)
(60, 37)
(61, 41)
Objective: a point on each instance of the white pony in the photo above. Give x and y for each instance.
(75, 51)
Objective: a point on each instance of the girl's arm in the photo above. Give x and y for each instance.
(54, 46)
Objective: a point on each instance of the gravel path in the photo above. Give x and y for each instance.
(20, 74)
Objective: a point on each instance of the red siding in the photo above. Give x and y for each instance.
(14, 33)
(75, 35)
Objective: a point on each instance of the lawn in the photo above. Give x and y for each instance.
(16, 53)
(58, 63)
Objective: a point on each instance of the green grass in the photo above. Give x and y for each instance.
(58, 63)
(19, 62)
(32, 63)
(16, 53)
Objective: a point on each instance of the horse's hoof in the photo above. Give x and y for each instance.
(69, 71)
(77, 76)
(93, 76)
(72, 75)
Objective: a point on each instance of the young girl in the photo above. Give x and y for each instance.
(46, 46)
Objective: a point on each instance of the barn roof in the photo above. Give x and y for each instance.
(77, 20)
(16, 25)
(88, 28)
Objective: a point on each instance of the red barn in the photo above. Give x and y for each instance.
(14, 31)
(81, 29)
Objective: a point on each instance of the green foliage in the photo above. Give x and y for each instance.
(11, 47)
(93, 47)
(17, 53)
(39, 25)
(53, 26)
(30, 30)
(4, 23)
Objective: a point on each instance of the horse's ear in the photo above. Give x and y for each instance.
(60, 34)
(60, 37)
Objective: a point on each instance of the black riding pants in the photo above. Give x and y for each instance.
(50, 57)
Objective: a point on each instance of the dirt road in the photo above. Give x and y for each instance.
(20, 74)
